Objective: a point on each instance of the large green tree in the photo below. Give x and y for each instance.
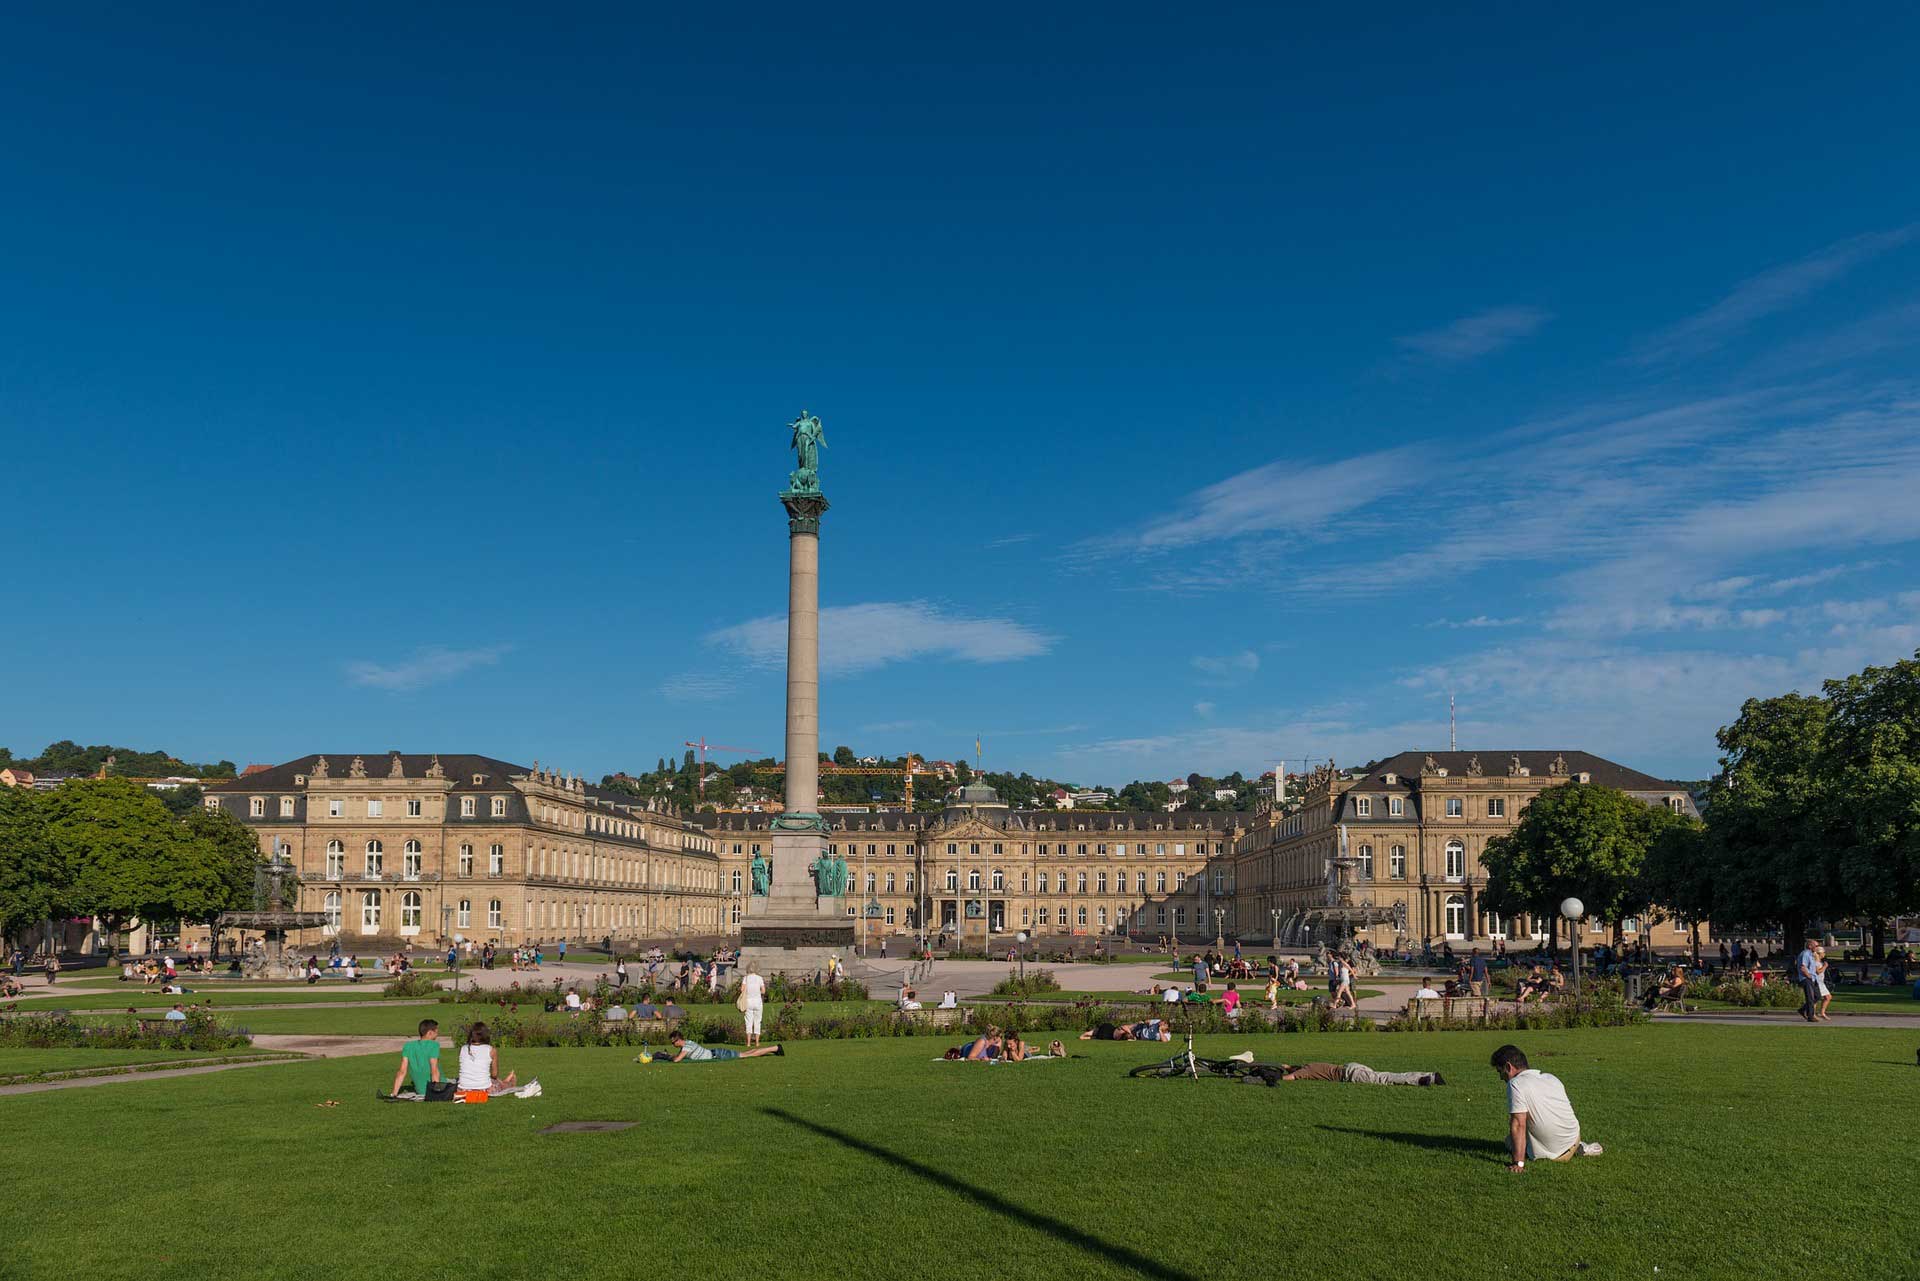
(30, 878)
(227, 856)
(1579, 840)
(120, 855)
(1870, 759)
(1770, 844)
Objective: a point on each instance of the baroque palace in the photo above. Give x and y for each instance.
(1410, 831)
(979, 868)
(427, 848)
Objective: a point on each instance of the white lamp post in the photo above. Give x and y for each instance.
(1573, 910)
(1021, 940)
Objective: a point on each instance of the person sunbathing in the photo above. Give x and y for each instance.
(1150, 1030)
(686, 1051)
(1013, 1049)
(1355, 1074)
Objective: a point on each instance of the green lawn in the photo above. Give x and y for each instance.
(848, 1158)
(150, 999)
(14, 1061)
(393, 1018)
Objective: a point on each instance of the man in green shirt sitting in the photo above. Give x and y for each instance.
(420, 1059)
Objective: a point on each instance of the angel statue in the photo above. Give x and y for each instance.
(808, 439)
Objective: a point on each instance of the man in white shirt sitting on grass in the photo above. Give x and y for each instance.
(1542, 1125)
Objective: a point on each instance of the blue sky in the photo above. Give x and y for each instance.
(1197, 394)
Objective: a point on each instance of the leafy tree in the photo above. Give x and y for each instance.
(30, 879)
(1144, 796)
(226, 858)
(843, 756)
(1768, 843)
(1679, 876)
(183, 800)
(962, 773)
(1578, 839)
(1871, 756)
(119, 855)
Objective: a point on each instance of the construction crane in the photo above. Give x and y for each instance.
(704, 745)
(912, 767)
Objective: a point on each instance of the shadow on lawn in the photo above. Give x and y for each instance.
(1105, 1251)
(1486, 1149)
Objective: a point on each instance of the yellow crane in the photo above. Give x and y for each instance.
(906, 772)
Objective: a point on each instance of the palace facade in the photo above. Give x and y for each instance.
(980, 872)
(1412, 829)
(396, 848)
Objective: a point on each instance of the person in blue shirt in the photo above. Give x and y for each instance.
(1200, 973)
(1806, 971)
(1479, 972)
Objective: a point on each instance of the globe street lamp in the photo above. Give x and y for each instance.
(1275, 914)
(1021, 950)
(1573, 909)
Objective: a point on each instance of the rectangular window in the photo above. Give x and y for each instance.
(1120, 851)
(1046, 916)
(1179, 849)
(1160, 916)
(1397, 863)
(374, 809)
(1362, 807)
(493, 914)
(1496, 807)
(1454, 808)
(464, 918)
(467, 805)
(496, 860)
(1160, 849)
(286, 807)
(889, 916)
(257, 807)
(499, 806)
(466, 860)
(1396, 806)
(336, 809)
(413, 809)
(1179, 917)
(1083, 916)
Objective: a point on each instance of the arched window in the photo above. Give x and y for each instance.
(999, 879)
(331, 906)
(1366, 862)
(953, 879)
(410, 910)
(493, 914)
(1456, 916)
(1103, 918)
(464, 917)
(369, 909)
(1397, 863)
(1159, 882)
(376, 858)
(872, 882)
(410, 861)
(336, 860)
(1456, 861)
(973, 878)
(496, 860)
(466, 860)
(1083, 916)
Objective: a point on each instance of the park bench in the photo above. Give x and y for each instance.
(1475, 1008)
(934, 1016)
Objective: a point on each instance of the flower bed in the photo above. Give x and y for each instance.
(199, 1031)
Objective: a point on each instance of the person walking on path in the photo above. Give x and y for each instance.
(1820, 984)
(1479, 974)
(620, 972)
(53, 968)
(1541, 1123)
(1806, 971)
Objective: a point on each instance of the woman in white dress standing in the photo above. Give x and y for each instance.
(753, 994)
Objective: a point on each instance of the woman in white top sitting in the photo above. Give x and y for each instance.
(480, 1067)
(753, 998)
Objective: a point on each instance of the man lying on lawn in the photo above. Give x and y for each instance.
(1355, 1074)
(1150, 1030)
(686, 1051)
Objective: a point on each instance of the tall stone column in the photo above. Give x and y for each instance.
(794, 928)
(803, 651)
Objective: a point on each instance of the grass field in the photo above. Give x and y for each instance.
(14, 1061)
(867, 1159)
(401, 1018)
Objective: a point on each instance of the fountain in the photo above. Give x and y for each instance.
(1339, 917)
(272, 920)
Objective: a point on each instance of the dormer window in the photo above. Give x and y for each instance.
(1363, 807)
(479, 780)
(1392, 779)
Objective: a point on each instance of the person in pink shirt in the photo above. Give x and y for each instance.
(1230, 1001)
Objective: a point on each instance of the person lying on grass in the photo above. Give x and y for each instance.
(1150, 1030)
(983, 1048)
(686, 1051)
(1541, 1123)
(1355, 1074)
(420, 1059)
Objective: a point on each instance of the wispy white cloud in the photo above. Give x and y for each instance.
(1203, 709)
(1480, 334)
(698, 687)
(427, 666)
(1772, 290)
(1009, 540)
(1477, 621)
(1227, 667)
(858, 638)
(1279, 497)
